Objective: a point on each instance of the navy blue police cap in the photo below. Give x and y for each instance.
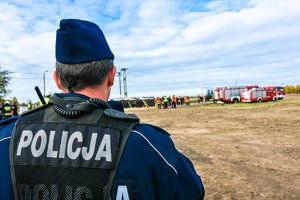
(79, 41)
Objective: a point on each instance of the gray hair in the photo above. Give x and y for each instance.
(78, 76)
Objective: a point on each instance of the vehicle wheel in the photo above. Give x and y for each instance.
(259, 100)
(274, 98)
(235, 100)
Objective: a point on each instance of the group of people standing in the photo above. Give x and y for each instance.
(165, 102)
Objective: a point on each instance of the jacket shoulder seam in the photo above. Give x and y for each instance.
(156, 150)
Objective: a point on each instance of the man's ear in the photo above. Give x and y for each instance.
(56, 79)
(111, 76)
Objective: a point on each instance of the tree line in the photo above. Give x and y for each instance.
(4, 81)
(292, 89)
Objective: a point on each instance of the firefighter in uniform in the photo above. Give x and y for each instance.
(174, 99)
(166, 101)
(6, 110)
(29, 105)
(158, 102)
(81, 146)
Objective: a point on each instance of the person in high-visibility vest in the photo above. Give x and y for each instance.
(166, 101)
(29, 105)
(158, 102)
(174, 99)
(6, 110)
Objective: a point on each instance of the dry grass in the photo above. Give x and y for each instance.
(241, 151)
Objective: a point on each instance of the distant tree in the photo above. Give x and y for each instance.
(298, 89)
(292, 89)
(4, 81)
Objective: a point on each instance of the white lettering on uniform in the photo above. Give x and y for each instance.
(40, 192)
(105, 144)
(51, 192)
(88, 155)
(38, 151)
(83, 191)
(50, 152)
(70, 146)
(63, 144)
(74, 154)
(25, 141)
(122, 193)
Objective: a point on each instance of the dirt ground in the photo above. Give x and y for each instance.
(241, 151)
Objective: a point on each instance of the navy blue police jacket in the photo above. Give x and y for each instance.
(150, 167)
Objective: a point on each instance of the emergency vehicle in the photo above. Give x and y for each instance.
(216, 96)
(233, 94)
(271, 94)
(206, 93)
(278, 91)
(257, 94)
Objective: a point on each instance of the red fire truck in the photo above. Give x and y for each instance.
(216, 96)
(255, 95)
(278, 91)
(271, 95)
(233, 94)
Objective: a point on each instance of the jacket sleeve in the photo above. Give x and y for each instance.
(188, 184)
(168, 173)
(6, 127)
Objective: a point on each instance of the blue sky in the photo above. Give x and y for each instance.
(169, 46)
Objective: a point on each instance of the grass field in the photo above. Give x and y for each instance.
(241, 151)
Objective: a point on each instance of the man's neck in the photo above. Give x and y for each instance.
(95, 92)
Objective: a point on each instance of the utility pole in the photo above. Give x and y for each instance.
(123, 70)
(44, 82)
(120, 83)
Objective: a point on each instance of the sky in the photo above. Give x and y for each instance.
(168, 46)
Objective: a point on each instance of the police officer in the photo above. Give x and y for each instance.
(79, 146)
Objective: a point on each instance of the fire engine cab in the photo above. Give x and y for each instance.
(278, 91)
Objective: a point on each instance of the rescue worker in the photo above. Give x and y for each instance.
(198, 99)
(166, 101)
(29, 105)
(79, 146)
(14, 109)
(188, 100)
(158, 102)
(6, 110)
(179, 101)
(174, 99)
